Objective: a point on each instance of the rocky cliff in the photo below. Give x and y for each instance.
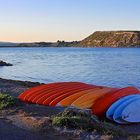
(112, 39)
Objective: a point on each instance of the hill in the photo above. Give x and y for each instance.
(112, 39)
(97, 39)
(9, 44)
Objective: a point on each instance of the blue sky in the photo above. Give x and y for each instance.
(52, 20)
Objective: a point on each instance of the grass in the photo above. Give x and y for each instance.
(84, 121)
(6, 101)
(73, 122)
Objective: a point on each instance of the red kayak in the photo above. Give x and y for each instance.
(41, 88)
(57, 93)
(36, 89)
(30, 97)
(102, 104)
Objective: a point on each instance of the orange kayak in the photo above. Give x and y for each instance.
(30, 97)
(70, 99)
(40, 87)
(38, 95)
(61, 97)
(87, 100)
(102, 104)
(64, 94)
(33, 89)
(58, 92)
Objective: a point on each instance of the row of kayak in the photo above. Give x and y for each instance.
(117, 104)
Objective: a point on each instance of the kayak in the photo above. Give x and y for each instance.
(113, 107)
(102, 104)
(61, 95)
(131, 112)
(70, 99)
(87, 100)
(36, 89)
(57, 93)
(37, 95)
(120, 105)
(117, 116)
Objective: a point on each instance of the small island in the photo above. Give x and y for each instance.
(2, 63)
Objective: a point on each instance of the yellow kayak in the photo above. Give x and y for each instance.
(87, 100)
(70, 99)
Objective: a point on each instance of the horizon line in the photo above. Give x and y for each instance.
(125, 30)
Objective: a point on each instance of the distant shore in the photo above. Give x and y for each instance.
(113, 39)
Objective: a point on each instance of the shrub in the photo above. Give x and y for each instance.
(6, 101)
(84, 121)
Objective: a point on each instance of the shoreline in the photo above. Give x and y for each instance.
(23, 120)
(15, 87)
(28, 120)
(105, 47)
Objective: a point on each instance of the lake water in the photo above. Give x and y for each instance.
(117, 67)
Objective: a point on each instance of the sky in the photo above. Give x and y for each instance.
(69, 20)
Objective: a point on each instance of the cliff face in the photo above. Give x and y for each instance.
(112, 39)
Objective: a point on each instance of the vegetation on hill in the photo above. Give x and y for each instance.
(48, 44)
(112, 39)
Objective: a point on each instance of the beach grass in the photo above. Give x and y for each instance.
(81, 120)
(6, 101)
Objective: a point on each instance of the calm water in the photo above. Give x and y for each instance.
(101, 66)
